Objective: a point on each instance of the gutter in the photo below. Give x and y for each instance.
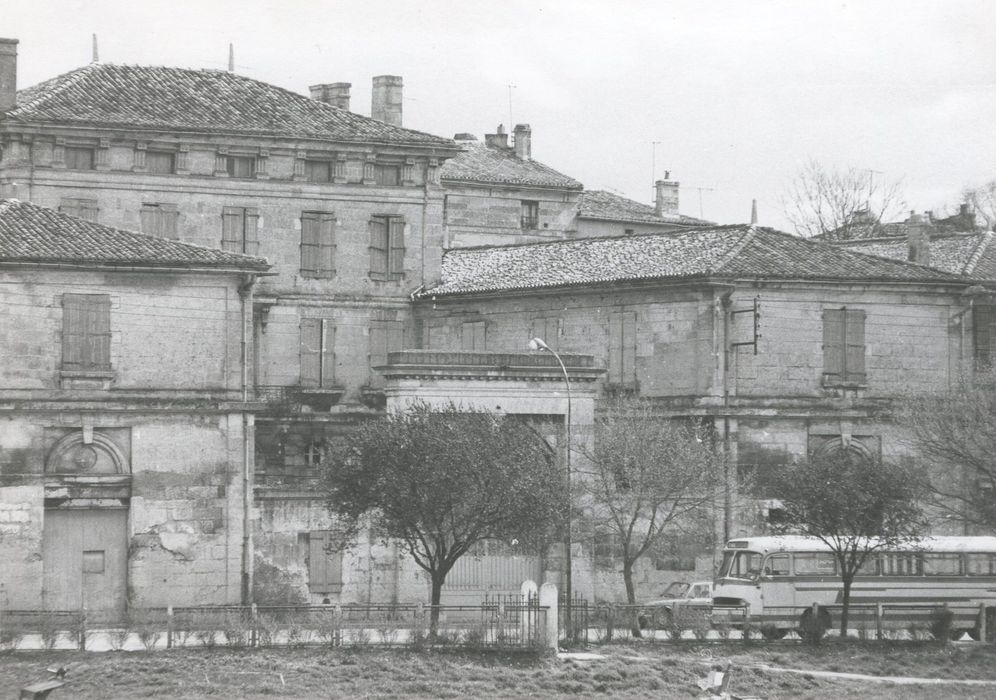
(133, 268)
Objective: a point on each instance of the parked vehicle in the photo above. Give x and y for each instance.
(658, 613)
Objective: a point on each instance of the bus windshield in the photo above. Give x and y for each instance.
(740, 564)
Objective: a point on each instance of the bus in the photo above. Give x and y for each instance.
(774, 582)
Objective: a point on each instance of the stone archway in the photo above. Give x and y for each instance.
(81, 454)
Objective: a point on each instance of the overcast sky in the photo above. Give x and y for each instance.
(737, 94)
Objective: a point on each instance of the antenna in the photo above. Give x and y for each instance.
(510, 122)
(653, 168)
(701, 190)
(96, 56)
(871, 185)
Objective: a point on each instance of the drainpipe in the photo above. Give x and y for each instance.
(248, 428)
(723, 303)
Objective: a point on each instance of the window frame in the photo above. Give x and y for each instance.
(529, 214)
(844, 347)
(231, 162)
(327, 164)
(321, 250)
(387, 247)
(317, 353)
(86, 334)
(240, 230)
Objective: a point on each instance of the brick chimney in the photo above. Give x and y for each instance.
(918, 240)
(523, 141)
(386, 100)
(8, 74)
(499, 139)
(666, 201)
(335, 94)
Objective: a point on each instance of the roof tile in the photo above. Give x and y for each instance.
(599, 204)
(496, 164)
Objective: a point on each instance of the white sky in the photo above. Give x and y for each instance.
(738, 94)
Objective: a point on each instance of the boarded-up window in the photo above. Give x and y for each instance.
(159, 162)
(79, 158)
(86, 332)
(324, 564)
(473, 336)
(317, 244)
(984, 334)
(547, 330)
(387, 248)
(385, 337)
(239, 230)
(317, 352)
(82, 208)
(843, 346)
(622, 348)
(159, 220)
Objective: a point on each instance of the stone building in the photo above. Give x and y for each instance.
(125, 434)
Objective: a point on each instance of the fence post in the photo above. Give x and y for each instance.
(169, 626)
(527, 618)
(82, 630)
(878, 621)
(983, 636)
(253, 621)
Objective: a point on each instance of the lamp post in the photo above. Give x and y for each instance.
(538, 344)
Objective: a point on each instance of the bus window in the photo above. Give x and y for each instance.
(980, 564)
(901, 564)
(740, 564)
(777, 565)
(936, 564)
(815, 564)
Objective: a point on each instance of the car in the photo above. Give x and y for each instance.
(695, 596)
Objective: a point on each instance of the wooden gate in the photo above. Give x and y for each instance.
(490, 568)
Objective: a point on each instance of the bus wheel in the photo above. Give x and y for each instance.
(771, 633)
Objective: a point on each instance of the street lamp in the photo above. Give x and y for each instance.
(538, 344)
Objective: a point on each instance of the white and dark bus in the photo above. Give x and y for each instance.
(776, 580)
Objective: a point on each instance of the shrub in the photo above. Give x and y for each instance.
(206, 638)
(723, 629)
(236, 631)
(475, 637)
(940, 623)
(48, 629)
(698, 621)
(812, 627)
(148, 628)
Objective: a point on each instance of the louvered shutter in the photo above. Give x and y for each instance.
(232, 227)
(326, 260)
(310, 244)
(311, 346)
(984, 325)
(170, 215)
(833, 345)
(86, 332)
(472, 336)
(615, 374)
(324, 566)
(378, 248)
(327, 369)
(251, 246)
(99, 330)
(396, 261)
(73, 331)
(854, 345)
(629, 348)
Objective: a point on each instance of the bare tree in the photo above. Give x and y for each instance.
(954, 433)
(982, 201)
(648, 475)
(839, 204)
(854, 505)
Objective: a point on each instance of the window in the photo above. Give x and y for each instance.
(530, 214)
(385, 337)
(82, 208)
(319, 170)
(777, 565)
(78, 158)
(317, 353)
(472, 336)
(317, 244)
(160, 162)
(239, 230)
(159, 220)
(387, 248)
(843, 346)
(980, 564)
(900, 564)
(241, 166)
(815, 564)
(324, 564)
(547, 330)
(86, 332)
(984, 334)
(622, 348)
(387, 175)
(936, 564)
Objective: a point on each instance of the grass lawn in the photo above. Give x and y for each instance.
(627, 671)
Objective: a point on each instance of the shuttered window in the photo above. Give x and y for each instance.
(385, 337)
(473, 336)
(239, 230)
(622, 348)
(86, 332)
(984, 334)
(317, 244)
(82, 208)
(317, 353)
(324, 564)
(159, 220)
(387, 248)
(547, 330)
(843, 346)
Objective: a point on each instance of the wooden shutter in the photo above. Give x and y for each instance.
(73, 331)
(378, 248)
(86, 332)
(854, 345)
(232, 229)
(328, 353)
(150, 219)
(622, 348)
(984, 333)
(473, 336)
(311, 347)
(310, 244)
(833, 345)
(88, 210)
(324, 565)
(547, 330)
(326, 259)
(251, 246)
(396, 261)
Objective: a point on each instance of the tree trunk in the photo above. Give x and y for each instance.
(634, 618)
(846, 605)
(437, 591)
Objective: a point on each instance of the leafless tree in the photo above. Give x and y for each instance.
(839, 204)
(982, 201)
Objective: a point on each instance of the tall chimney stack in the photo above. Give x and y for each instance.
(666, 201)
(335, 94)
(8, 74)
(523, 141)
(918, 241)
(753, 212)
(386, 100)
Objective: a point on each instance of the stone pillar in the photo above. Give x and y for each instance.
(548, 599)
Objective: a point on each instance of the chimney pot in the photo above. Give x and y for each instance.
(963, 209)
(666, 201)
(335, 94)
(8, 74)
(523, 141)
(386, 99)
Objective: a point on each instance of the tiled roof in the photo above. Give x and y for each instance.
(29, 233)
(496, 164)
(972, 254)
(180, 99)
(599, 204)
(732, 252)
